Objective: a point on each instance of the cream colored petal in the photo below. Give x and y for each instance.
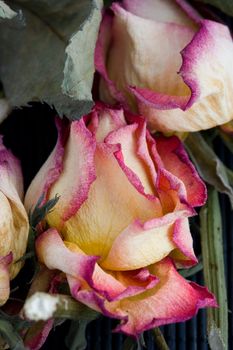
(112, 204)
(134, 58)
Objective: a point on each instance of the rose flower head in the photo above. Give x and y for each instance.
(120, 226)
(161, 59)
(13, 220)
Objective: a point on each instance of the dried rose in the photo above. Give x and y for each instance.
(121, 220)
(161, 59)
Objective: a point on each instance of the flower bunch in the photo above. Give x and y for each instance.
(105, 221)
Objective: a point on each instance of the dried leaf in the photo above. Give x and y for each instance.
(225, 6)
(214, 274)
(210, 167)
(33, 55)
(5, 11)
(76, 338)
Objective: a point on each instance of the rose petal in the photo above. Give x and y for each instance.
(77, 175)
(137, 247)
(184, 254)
(103, 120)
(101, 50)
(172, 300)
(37, 334)
(134, 157)
(141, 245)
(175, 160)
(84, 273)
(112, 204)
(114, 285)
(206, 70)
(140, 63)
(13, 217)
(49, 247)
(161, 10)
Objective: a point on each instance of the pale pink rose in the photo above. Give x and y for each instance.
(13, 220)
(161, 59)
(121, 223)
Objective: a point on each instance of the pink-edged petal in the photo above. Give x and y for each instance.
(77, 176)
(112, 204)
(84, 275)
(37, 334)
(170, 188)
(110, 285)
(104, 120)
(175, 160)
(104, 293)
(137, 247)
(49, 247)
(206, 70)
(101, 52)
(172, 300)
(184, 254)
(5, 261)
(49, 172)
(140, 63)
(141, 245)
(133, 157)
(13, 217)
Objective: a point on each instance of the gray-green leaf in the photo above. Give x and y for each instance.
(214, 274)
(224, 5)
(210, 167)
(44, 54)
(6, 11)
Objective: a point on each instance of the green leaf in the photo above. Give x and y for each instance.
(40, 211)
(214, 274)
(224, 5)
(227, 139)
(209, 166)
(192, 271)
(5, 11)
(11, 336)
(129, 344)
(159, 339)
(47, 54)
(76, 338)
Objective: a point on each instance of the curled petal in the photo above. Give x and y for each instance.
(141, 245)
(184, 254)
(175, 160)
(78, 173)
(206, 70)
(104, 120)
(173, 299)
(83, 272)
(140, 63)
(112, 204)
(50, 246)
(133, 156)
